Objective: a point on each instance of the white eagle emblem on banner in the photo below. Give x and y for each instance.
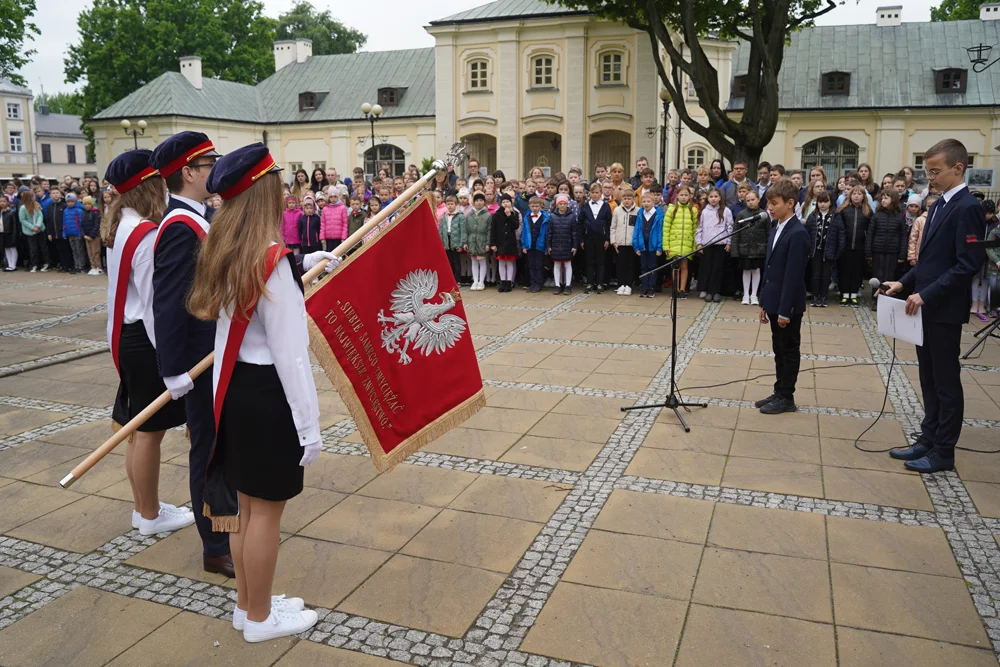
(417, 323)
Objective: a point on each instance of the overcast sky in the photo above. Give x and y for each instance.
(57, 21)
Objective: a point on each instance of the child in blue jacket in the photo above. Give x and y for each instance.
(534, 239)
(647, 240)
(72, 231)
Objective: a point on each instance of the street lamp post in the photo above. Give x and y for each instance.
(665, 98)
(371, 114)
(979, 56)
(135, 134)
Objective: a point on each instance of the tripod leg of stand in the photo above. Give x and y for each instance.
(984, 334)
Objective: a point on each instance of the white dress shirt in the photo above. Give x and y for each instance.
(777, 232)
(196, 205)
(139, 296)
(595, 206)
(278, 335)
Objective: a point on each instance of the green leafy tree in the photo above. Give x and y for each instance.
(957, 10)
(328, 35)
(15, 27)
(125, 44)
(71, 103)
(679, 27)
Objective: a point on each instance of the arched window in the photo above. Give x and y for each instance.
(696, 157)
(479, 78)
(837, 156)
(542, 71)
(394, 155)
(611, 68)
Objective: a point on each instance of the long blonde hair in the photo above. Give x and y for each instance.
(230, 269)
(866, 209)
(148, 199)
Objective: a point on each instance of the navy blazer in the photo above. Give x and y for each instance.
(945, 267)
(181, 339)
(591, 227)
(783, 288)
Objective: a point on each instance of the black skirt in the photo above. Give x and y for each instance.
(751, 263)
(140, 383)
(257, 437)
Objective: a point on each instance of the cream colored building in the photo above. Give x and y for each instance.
(60, 146)
(524, 83)
(17, 157)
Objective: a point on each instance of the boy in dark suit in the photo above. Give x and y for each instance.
(595, 223)
(783, 293)
(941, 281)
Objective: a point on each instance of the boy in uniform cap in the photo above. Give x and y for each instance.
(185, 161)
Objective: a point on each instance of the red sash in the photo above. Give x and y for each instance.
(121, 286)
(187, 220)
(237, 330)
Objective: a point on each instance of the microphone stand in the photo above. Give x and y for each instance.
(674, 400)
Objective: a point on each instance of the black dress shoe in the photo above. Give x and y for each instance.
(933, 462)
(220, 565)
(779, 405)
(917, 450)
(764, 401)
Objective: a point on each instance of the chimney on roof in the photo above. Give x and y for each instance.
(288, 51)
(989, 11)
(43, 109)
(888, 17)
(191, 69)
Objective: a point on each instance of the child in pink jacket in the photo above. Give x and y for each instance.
(290, 223)
(333, 223)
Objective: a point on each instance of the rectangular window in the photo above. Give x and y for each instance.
(71, 154)
(740, 86)
(14, 110)
(46, 152)
(836, 83)
(611, 68)
(951, 81)
(477, 75)
(294, 166)
(918, 161)
(319, 165)
(16, 142)
(691, 92)
(543, 72)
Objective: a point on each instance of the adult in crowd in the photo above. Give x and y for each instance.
(319, 181)
(940, 292)
(730, 187)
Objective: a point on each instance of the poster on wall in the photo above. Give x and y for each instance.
(980, 178)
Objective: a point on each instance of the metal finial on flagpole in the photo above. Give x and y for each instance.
(455, 156)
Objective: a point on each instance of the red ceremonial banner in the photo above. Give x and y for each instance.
(390, 331)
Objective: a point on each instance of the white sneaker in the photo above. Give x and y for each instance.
(754, 301)
(620, 291)
(240, 616)
(45, 268)
(628, 291)
(746, 300)
(34, 269)
(166, 522)
(164, 507)
(701, 295)
(480, 286)
(282, 622)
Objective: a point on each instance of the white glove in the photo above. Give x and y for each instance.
(179, 385)
(314, 258)
(310, 452)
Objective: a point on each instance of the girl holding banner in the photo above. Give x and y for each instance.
(266, 409)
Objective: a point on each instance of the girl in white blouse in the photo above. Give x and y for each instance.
(267, 412)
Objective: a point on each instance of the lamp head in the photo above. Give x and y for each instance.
(366, 108)
(664, 95)
(126, 124)
(141, 124)
(377, 109)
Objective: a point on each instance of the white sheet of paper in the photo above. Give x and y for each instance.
(895, 323)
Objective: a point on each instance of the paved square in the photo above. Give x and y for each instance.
(551, 528)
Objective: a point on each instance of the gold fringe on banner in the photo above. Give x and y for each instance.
(221, 524)
(383, 461)
(115, 427)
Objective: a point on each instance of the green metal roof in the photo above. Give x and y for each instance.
(170, 94)
(348, 79)
(509, 9)
(890, 67)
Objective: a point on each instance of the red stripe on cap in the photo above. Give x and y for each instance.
(122, 188)
(177, 164)
(249, 178)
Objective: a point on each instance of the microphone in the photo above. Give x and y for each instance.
(760, 216)
(877, 284)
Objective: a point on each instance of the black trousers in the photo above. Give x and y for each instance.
(594, 249)
(625, 264)
(713, 264)
(38, 249)
(785, 342)
(536, 262)
(821, 276)
(941, 385)
(884, 266)
(65, 254)
(851, 267)
(455, 260)
(330, 244)
(198, 403)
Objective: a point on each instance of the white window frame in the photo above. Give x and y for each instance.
(479, 74)
(70, 154)
(294, 167)
(691, 157)
(15, 140)
(691, 93)
(543, 65)
(606, 64)
(46, 148)
(318, 165)
(14, 111)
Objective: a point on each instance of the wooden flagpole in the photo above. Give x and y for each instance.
(455, 157)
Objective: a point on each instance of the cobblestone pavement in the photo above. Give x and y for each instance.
(551, 528)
